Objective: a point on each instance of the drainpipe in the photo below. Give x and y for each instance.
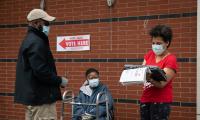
(198, 60)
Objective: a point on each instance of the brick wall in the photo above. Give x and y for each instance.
(118, 36)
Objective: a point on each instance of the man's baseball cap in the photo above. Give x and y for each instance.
(39, 14)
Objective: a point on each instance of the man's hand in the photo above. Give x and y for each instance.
(64, 81)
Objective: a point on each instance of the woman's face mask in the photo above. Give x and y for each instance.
(93, 82)
(158, 49)
(158, 45)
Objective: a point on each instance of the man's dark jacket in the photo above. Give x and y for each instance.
(37, 82)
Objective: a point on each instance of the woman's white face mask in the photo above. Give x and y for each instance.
(158, 49)
(93, 82)
(159, 46)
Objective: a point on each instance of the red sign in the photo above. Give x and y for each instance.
(73, 43)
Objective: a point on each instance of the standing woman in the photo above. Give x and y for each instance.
(157, 96)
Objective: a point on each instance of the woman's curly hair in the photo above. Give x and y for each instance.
(162, 31)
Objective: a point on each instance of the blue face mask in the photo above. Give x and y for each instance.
(93, 82)
(45, 30)
(158, 49)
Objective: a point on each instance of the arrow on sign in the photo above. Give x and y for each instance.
(63, 43)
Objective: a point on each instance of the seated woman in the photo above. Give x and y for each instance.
(88, 94)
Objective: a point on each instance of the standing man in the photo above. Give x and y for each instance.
(37, 84)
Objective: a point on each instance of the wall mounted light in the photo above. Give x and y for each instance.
(110, 2)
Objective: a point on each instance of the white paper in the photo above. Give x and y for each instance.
(131, 76)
